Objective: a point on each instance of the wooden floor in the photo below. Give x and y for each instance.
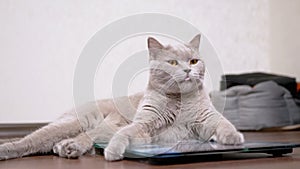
(253, 161)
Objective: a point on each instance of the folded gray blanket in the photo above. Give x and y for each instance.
(265, 105)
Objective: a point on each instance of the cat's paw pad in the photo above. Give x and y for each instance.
(110, 155)
(68, 148)
(231, 138)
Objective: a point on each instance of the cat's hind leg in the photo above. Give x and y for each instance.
(79, 145)
(69, 125)
(73, 147)
(40, 141)
(9, 140)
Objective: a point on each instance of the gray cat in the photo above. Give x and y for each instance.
(173, 107)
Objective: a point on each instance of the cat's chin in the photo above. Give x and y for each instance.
(188, 87)
(189, 83)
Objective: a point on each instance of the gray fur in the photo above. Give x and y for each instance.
(174, 107)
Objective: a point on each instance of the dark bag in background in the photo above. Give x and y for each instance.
(252, 79)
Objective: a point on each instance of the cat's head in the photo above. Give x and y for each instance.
(175, 69)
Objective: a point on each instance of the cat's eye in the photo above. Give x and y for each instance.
(173, 62)
(193, 61)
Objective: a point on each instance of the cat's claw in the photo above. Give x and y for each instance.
(111, 156)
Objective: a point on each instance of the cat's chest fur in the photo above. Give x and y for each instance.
(180, 114)
(184, 110)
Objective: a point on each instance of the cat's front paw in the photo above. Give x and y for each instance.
(111, 155)
(233, 137)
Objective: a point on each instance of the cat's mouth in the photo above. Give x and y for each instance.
(187, 78)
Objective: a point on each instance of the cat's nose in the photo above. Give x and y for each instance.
(187, 70)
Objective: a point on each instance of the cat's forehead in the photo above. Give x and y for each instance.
(182, 52)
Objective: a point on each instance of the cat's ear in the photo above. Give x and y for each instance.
(154, 46)
(195, 42)
(153, 43)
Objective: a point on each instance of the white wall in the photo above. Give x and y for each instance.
(40, 42)
(285, 37)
